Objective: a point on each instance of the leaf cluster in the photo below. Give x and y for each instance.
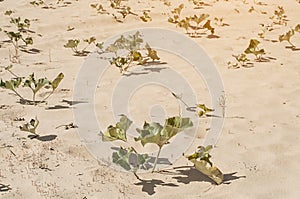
(195, 22)
(119, 11)
(154, 133)
(21, 33)
(31, 126)
(73, 44)
(136, 52)
(35, 85)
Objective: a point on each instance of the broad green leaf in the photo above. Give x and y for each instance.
(54, 84)
(72, 43)
(129, 159)
(122, 158)
(35, 85)
(151, 133)
(160, 135)
(30, 126)
(12, 84)
(175, 125)
(117, 132)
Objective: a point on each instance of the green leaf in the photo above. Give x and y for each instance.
(129, 159)
(151, 133)
(30, 126)
(35, 85)
(160, 135)
(54, 84)
(117, 132)
(12, 84)
(72, 43)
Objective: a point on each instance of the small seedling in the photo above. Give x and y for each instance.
(74, 45)
(253, 49)
(288, 35)
(133, 45)
(31, 126)
(34, 85)
(201, 160)
(21, 34)
(145, 17)
(191, 22)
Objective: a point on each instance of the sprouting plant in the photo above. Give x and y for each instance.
(279, 17)
(117, 10)
(135, 50)
(203, 110)
(35, 86)
(31, 126)
(191, 22)
(21, 34)
(74, 45)
(176, 14)
(99, 7)
(154, 133)
(288, 35)
(146, 17)
(201, 161)
(51, 5)
(242, 60)
(253, 49)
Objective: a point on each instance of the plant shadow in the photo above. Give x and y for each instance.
(4, 188)
(148, 186)
(44, 138)
(147, 69)
(55, 107)
(187, 176)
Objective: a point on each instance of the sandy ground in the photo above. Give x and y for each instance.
(258, 150)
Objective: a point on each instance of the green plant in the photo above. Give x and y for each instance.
(288, 35)
(136, 52)
(117, 10)
(31, 126)
(154, 133)
(146, 17)
(34, 85)
(242, 61)
(201, 161)
(21, 33)
(73, 44)
(255, 50)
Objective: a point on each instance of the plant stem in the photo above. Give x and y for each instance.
(155, 162)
